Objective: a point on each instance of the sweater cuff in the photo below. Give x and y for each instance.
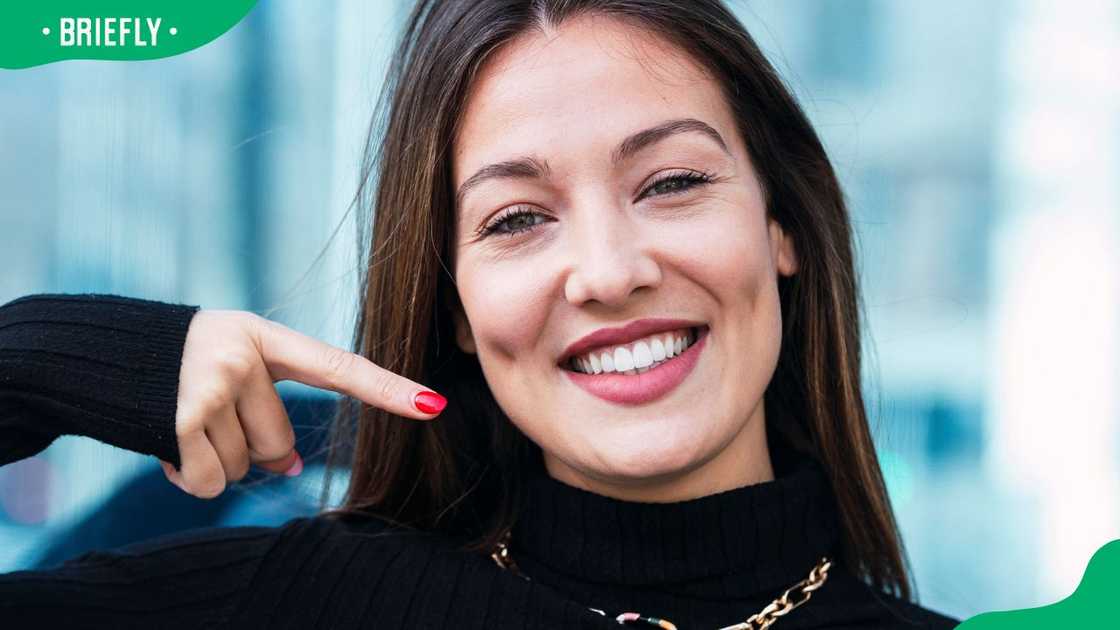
(165, 329)
(112, 361)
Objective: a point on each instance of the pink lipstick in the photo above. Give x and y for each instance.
(637, 389)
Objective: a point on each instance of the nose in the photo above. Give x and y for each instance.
(609, 261)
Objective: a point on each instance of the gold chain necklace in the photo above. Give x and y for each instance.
(759, 621)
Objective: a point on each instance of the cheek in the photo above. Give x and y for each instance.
(506, 308)
(727, 254)
(730, 260)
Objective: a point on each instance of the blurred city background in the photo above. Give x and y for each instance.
(978, 142)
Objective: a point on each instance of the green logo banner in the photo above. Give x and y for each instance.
(35, 32)
(1093, 604)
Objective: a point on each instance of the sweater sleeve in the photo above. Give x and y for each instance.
(102, 366)
(191, 579)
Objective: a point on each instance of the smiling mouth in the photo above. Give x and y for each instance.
(638, 356)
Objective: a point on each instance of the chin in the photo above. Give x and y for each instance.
(648, 457)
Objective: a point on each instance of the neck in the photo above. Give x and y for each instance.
(746, 541)
(744, 461)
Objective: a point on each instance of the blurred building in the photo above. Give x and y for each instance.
(217, 177)
(978, 144)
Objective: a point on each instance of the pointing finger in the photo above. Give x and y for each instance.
(291, 355)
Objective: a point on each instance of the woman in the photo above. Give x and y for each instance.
(606, 231)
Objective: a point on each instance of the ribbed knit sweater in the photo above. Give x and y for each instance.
(107, 367)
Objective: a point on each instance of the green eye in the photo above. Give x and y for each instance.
(513, 222)
(678, 183)
(521, 219)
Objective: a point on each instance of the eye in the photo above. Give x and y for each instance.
(677, 183)
(518, 219)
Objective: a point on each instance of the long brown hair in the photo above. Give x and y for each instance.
(461, 473)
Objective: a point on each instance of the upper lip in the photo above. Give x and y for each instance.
(625, 334)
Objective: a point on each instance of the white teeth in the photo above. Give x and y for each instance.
(623, 360)
(608, 362)
(642, 356)
(639, 357)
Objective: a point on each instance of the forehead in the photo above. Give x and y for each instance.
(576, 92)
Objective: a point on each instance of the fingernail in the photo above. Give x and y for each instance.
(296, 468)
(429, 402)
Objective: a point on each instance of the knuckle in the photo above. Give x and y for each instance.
(212, 396)
(210, 487)
(385, 386)
(253, 324)
(277, 448)
(188, 423)
(235, 364)
(272, 452)
(250, 318)
(338, 363)
(240, 470)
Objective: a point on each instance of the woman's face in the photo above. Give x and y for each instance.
(604, 245)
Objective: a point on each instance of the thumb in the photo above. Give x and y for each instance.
(290, 465)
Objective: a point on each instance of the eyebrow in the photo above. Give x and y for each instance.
(531, 168)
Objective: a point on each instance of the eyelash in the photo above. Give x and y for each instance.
(690, 181)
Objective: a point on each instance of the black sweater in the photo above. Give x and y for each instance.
(107, 367)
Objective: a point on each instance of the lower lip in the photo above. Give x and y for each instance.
(636, 389)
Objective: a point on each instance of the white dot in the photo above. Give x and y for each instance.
(174, 31)
(46, 30)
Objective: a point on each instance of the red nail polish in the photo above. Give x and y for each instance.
(296, 467)
(429, 402)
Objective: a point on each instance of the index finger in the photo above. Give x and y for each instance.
(291, 355)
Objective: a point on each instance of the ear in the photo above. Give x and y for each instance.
(783, 252)
(464, 338)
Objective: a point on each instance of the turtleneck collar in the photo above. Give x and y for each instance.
(750, 539)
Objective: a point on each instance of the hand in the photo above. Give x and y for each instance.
(229, 413)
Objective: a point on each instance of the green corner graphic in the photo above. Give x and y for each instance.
(36, 32)
(1093, 604)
